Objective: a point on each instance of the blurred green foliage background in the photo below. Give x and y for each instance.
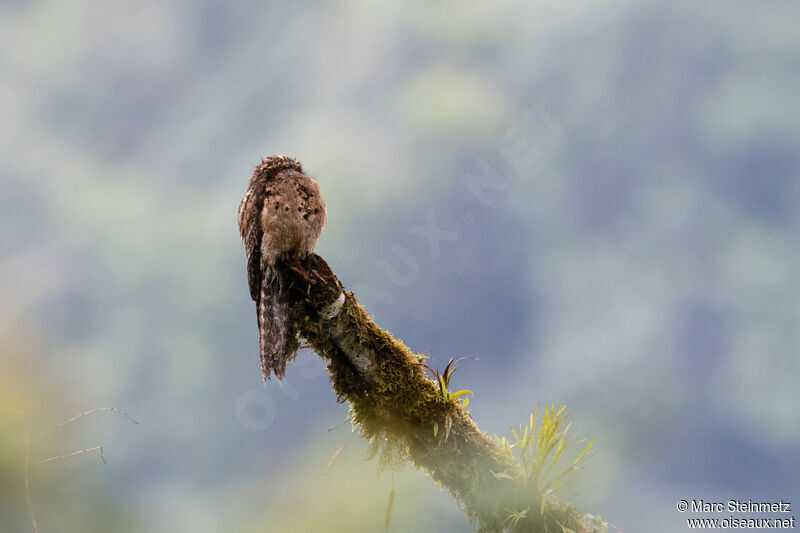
(637, 259)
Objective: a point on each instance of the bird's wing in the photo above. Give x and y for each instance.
(252, 247)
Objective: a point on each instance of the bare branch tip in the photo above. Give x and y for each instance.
(81, 415)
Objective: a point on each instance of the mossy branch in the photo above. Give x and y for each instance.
(397, 408)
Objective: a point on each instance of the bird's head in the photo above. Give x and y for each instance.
(274, 164)
(254, 197)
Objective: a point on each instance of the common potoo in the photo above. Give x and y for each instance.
(280, 217)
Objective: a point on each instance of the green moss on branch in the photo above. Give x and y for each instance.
(397, 408)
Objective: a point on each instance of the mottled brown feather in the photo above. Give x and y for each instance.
(281, 216)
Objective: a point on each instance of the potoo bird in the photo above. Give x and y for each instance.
(280, 218)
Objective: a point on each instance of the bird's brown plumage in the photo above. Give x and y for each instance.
(280, 217)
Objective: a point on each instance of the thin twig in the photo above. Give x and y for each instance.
(85, 450)
(28, 483)
(81, 415)
(340, 424)
(29, 442)
(335, 455)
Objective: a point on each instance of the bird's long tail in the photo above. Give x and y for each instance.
(273, 325)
